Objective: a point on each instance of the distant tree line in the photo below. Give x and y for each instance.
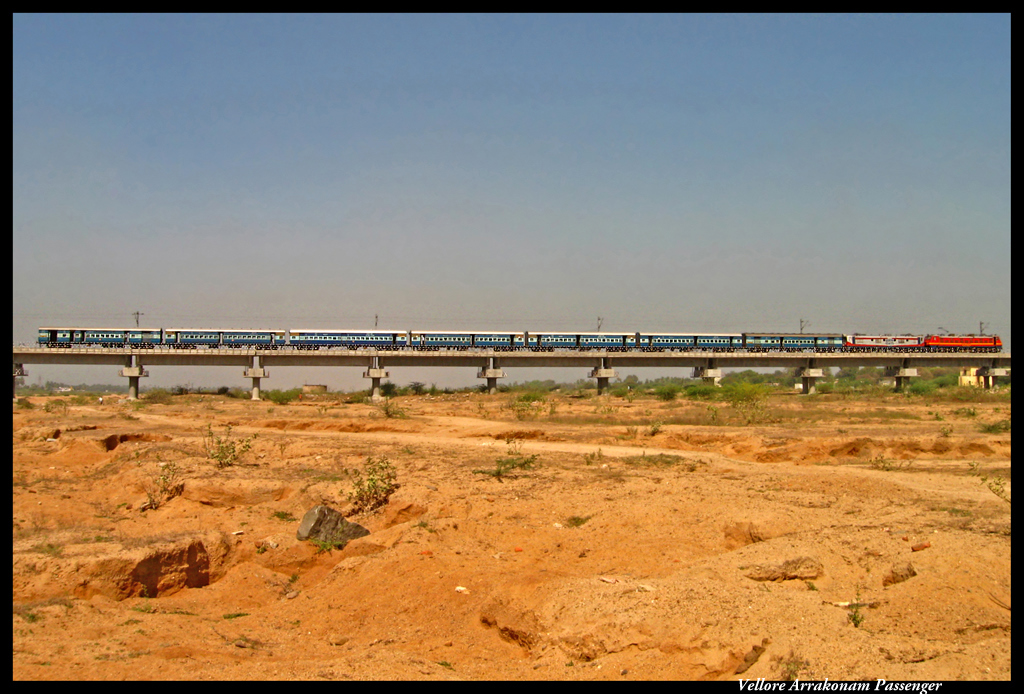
(846, 379)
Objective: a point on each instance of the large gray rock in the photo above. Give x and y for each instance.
(325, 524)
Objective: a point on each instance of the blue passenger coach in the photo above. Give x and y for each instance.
(191, 339)
(499, 341)
(441, 340)
(550, 341)
(73, 336)
(253, 338)
(666, 342)
(793, 342)
(50, 337)
(99, 337)
(348, 339)
(609, 341)
(683, 342)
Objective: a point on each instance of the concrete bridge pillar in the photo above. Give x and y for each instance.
(711, 377)
(808, 377)
(603, 373)
(19, 371)
(492, 373)
(710, 374)
(375, 373)
(988, 375)
(256, 372)
(902, 376)
(133, 371)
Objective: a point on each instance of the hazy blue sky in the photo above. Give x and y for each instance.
(679, 172)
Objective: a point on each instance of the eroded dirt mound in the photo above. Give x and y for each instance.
(117, 571)
(112, 441)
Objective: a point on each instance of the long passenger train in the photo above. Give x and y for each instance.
(181, 338)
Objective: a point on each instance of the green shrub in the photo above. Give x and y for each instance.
(921, 387)
(281, 397)
(576, 521)
(225, 451)
(159, 396)
(741, 393)
(750, 400)
(503, 466)
(884, 464)
(56, 407)
(1000, 427)
(373, 490)
(661, 460)
(667, 391)
(701, 392)
(390, 410)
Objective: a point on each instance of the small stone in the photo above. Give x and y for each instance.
(803, 568)
(899, 573)
(750, 659)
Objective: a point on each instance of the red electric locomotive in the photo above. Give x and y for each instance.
(963, 343)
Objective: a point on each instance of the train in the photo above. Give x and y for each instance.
(502, 341)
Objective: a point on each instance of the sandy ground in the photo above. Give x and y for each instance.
(835, 537)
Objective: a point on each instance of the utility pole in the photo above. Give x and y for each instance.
(137, 314)
(600, 320)
(981, 327)
(803, 324)
(375, 320)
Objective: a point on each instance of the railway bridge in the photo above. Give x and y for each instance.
(902, 366)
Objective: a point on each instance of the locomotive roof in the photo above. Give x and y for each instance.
(652, 332)
(132, 329)
(336, 330)
(754, 332)
(467, 332)
(224, 330)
